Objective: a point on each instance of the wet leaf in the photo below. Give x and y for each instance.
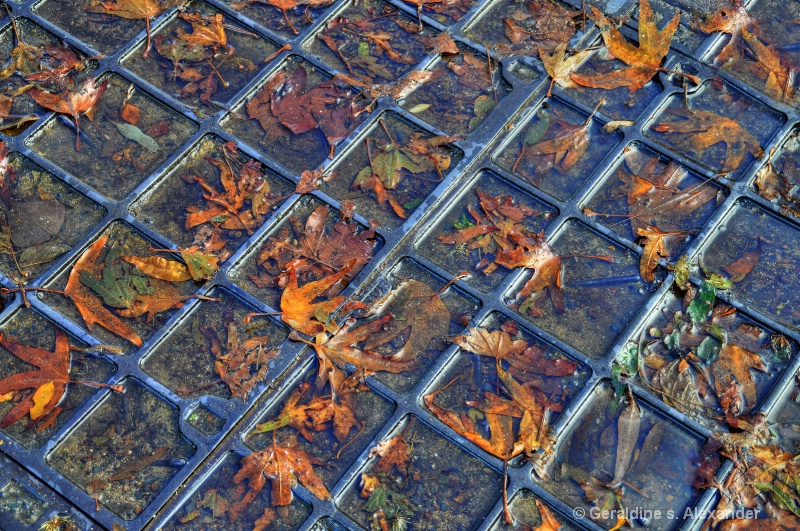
(282, 465)
(49, 381)
(628, 426)
(654, 250)
(742, 267)
(700, 307)
(559, 66)
(134, 10)
(159, 267)
(35, 222)
(644, 61)
(420, 107)
(41, 254)
(678, 388)
(549, 521)
(735, 362)
(297, 303)
(131, 132)
(394, 453)
(74, 102)
(419, 315)
(90, 307)
(497, 344)
(535, 253)
(731, 19)
(695, 131)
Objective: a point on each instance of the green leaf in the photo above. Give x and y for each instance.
(682, 273)
(363, 175)
(719, 282)
(483, 106)
(616, 375)
(408, 205)
(120, 282)
(700, 307)
(363, 49)
(463, 223)
(387, 167)
(781, 498)
(537, 129)
(628, 358)
(672, 340)
(420, 107)
(708, 349)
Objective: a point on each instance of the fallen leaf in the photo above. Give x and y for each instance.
(134, 10)
(739, 269)
(644, 61)
(628, 426)
(74, 102)
(559, 66)
(297, 307)
(735, 362)
(698, 130)
(160, 268)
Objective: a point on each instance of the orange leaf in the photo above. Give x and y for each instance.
(90, 307)
(159, 267)
(297, 306)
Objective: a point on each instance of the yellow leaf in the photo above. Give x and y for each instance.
(42, 397)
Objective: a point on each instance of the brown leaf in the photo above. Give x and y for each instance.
(628, 426)
(731, 19)
(134, 10)
(73, 102)
(297, 307)
(559, 66)
(393, 453)
(90, 307)
(535, 253)
(699, 130)
(654, 250)
(549, 522)
(742, 267)
(496, 344)
(644, 61)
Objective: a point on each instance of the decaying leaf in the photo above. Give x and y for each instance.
(80, 100)
(134, 10)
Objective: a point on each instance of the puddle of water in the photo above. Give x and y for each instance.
(300, 16)
(105, 33)
(560, 169)
(175, 193)
(659, 477)
(125, 432)
(327, 524)
(461, 96)
(546, 373)
(259, 271)
(207, 508)
(27, 327)
(455, 257)
(123, 237)
(671, 337)
(19, 502)
(527, 516)
(205, 421)
(410, 177)
(639, 192)
(444, 488)
(545, 24)
(189, 345)
(191, 77)
(33, 185)
(108, 161)
(370, 410)
(748, 124)
(460, 305)
(296, 152)
(600, 297)
(368, 58)
(770, 286)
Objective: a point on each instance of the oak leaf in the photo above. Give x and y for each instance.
(698, 130)
(644, 61)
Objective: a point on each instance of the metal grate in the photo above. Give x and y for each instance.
(209, 428)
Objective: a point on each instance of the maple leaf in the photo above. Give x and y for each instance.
(206, 30)
(559, 66)
(73, 102)
(497, 344)
(779, 75)
(419, 316)
(731, 19)
(393, 453)
(49, 382)
(297, 307)
(282, 465)
(535, 253)
(644, 61)
(134, 10)
(90, 307)
(699, 130)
